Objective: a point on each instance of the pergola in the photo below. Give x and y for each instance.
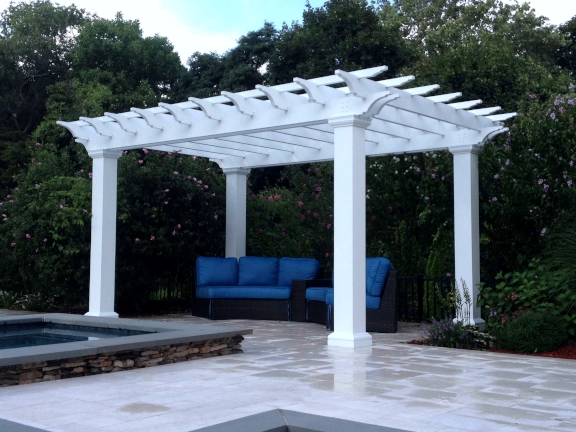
(343, 117)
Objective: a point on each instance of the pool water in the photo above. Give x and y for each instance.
(35, 334)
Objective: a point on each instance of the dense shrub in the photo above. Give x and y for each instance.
(539, 288)
(533, 332)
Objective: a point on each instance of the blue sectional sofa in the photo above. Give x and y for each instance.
(249, 288)
(381, 298)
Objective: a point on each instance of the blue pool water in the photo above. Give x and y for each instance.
(35, 334)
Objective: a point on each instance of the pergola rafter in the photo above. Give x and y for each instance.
(342, 117)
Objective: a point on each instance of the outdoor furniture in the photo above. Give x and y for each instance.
(313, 300)
(249, 288)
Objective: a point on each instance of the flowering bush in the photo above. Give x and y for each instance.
(533, 332)
(449, 334)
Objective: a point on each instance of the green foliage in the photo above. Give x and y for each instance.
(533, 332)
(539, 288)
(35, 38)
(7, 300)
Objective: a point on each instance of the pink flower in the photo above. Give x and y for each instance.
(178, 226)
(175, 172)
(145, 151)
(174, 232)
(513, 296)
(270, 198)
(45, 240)
(27, 235)
(300, 203)
(433, 175)
(61, 206)
(327, 255)
(166, 190)
(189, 177)
(496, 176)
(543, 232)
(84, 211)
(315, 215)
(373, 218)
(38, 144)
(328, 226)
(318, 189)
(276, 197)
(494, 199)
(199, 181)
(89, 175)
(8, 196)
(540, 181)
(569, 182)
(260, 230)
(205, 186)
(152, 238)
(36, 250)
(215, 217)
(140, 161)
(302, 217)
(12, 244)
(448, 274)
(137, 240)
(32, 160)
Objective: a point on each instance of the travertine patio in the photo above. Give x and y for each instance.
(290, 366)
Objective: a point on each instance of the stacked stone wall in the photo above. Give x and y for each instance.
(117, 361)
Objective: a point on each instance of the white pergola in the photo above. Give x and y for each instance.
(300, 122)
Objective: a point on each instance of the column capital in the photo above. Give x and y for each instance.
(470, 148)
(108, 154)
(351, 120)
(236, 170)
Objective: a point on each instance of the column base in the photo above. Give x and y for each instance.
(350, 340)
(102, 314)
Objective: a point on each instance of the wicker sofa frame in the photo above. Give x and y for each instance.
(381, 320)
(256, 309)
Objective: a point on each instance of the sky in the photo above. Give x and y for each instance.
(216, 25)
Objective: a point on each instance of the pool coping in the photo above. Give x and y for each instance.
(280, 420)
(164, 333)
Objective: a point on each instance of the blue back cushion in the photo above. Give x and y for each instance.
(296, 268)
(216, 271)
(377, 270)
(258, 271)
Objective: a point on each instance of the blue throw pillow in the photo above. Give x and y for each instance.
(296, 268)
(258, 271)
(216, 271)
(377, 270)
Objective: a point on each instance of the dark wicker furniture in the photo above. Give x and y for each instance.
(381, 320)
(257, 309)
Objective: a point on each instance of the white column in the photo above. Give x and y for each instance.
(467, 226)
(236, 211)
(349, 233)
(103, 241)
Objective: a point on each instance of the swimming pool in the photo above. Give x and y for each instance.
(47, 333)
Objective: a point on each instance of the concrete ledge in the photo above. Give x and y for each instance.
(286, 421)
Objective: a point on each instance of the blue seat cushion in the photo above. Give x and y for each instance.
(377, 270)
(296, 268)
(216, 271)
(372, 302)
(317, 293)
(248, 292)
(258, 271)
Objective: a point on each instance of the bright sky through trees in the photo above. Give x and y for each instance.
(199, 25)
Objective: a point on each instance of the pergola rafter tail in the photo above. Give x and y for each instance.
(343, 117)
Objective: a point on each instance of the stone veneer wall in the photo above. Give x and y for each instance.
(117, 361)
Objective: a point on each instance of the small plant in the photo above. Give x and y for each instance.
(35, 302)
(449, 334)
(533, 332)
(7, 299)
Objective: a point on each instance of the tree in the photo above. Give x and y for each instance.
(342, 34)
(35, 39)
(566, 55)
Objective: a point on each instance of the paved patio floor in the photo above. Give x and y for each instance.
(289, 366)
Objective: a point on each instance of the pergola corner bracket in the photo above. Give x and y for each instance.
(207, 108)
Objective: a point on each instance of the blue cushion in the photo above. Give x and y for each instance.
(251, 292)
(258, 271)
(216, 271)
(372, 302)
(377, 270)
(296, 268)
(317, 293)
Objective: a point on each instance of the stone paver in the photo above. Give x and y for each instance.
(289, 366)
